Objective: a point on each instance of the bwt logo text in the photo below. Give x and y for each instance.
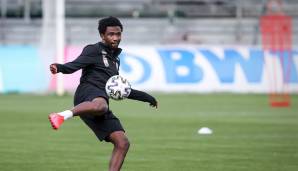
(181, 65)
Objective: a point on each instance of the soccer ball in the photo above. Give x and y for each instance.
(117, 87)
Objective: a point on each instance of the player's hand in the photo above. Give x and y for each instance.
(53, 68)
(154, 103)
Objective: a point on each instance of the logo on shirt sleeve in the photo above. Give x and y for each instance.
(104, 58)
(117, 66)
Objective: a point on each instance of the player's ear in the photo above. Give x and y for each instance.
(102, 36)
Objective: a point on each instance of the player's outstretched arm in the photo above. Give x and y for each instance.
(142, 96)
(87, 57)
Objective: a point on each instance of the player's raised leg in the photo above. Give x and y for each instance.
(121, 146)
(97, 106)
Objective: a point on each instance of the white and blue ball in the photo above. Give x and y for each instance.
(117, 87)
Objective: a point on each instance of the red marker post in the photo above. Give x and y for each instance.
(276, 30)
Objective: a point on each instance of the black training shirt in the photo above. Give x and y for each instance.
(98, 63)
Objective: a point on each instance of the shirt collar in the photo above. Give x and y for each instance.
(114, 52)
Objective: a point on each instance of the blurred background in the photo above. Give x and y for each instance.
(169, 45)
(228, 65)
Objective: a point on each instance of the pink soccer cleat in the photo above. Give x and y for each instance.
(56, 120)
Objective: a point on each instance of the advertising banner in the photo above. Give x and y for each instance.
(185, 68)
(199, 69)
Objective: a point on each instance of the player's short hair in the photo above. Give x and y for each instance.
(106, 22)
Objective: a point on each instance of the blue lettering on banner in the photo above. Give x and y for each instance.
(179, 66)
(129, 69)
(225, 67)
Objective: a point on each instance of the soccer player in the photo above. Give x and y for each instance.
(98, 63)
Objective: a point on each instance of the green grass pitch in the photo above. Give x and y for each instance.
(248, 135)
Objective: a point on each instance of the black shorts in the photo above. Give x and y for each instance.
(104, 125)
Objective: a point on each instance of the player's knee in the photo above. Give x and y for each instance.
(123, 145)
(100, 108)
